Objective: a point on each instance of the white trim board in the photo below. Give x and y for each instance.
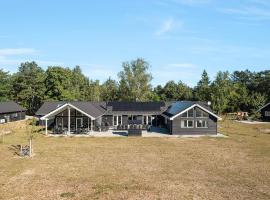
(263, 107)
(195, 105)
(64, 106)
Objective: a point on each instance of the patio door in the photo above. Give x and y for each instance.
(79, 123)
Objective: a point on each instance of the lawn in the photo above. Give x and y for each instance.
(237, 167)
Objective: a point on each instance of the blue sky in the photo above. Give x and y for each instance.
(179, 38)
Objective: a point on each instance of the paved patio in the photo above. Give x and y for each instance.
(154, 132)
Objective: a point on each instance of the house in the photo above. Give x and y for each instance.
(265, 112)
(83, 117)
(190, 118)
(11, 111)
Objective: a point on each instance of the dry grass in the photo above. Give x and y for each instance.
(237, 167)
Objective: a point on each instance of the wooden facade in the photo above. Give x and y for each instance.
(177, 125)
(12, 116)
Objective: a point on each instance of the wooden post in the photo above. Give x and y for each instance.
(88, 124)
(68, 120)
(30, 147)
(46, 126)
(91, 125)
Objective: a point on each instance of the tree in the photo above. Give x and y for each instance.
(256, 101)
(28, 86)
(94, 91)
(4, 85)
(202, 90)
(184, 92)
(109, 90)
(79, 84)
(220, 90)
(135, 81)
(32, 131)
(170, 91)
(59, 85)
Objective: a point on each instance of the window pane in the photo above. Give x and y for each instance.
(119, 119)
(201, 124)
(267, 113)
(190, 123)
(190, 113)
(198, 113)
(183, 123)
(144, 119)
(184, 114)
(149, 120)
(114, 120)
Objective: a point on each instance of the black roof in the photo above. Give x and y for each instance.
(136, 106)
(91, 108)
(96, 109)
(10, 106)
(180, 106)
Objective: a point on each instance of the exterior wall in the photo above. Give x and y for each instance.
(265, 118)
(175, 126)
(10, 117)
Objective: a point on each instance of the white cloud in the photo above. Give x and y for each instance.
(167, 26)
(17, 51)
(252, 10)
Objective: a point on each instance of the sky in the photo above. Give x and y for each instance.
(179, 38)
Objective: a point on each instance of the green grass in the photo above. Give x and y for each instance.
(237, 167)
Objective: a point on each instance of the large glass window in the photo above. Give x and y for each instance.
(187, 124)
(149, 120)
(200, 113)
(119, 119)
(267, 113)
(201, 124)
(188, 114)
(115, 120)
(145, 120)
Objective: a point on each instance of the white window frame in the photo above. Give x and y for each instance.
(188, 115)
(267, 113)
(117, 120)
(201, 112)
(206, 123)
(187, 123)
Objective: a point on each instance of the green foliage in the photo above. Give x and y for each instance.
(4, 85)
(202, 90)
(31, 85)
(220, 88)
(59, 85)
(109, 90)
(28, 86)
(135, 81)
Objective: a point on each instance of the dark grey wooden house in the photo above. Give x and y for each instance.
(265, 112)
(189, 117)
(78, 117)
(11, 111)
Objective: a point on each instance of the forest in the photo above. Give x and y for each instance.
(31, 85)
